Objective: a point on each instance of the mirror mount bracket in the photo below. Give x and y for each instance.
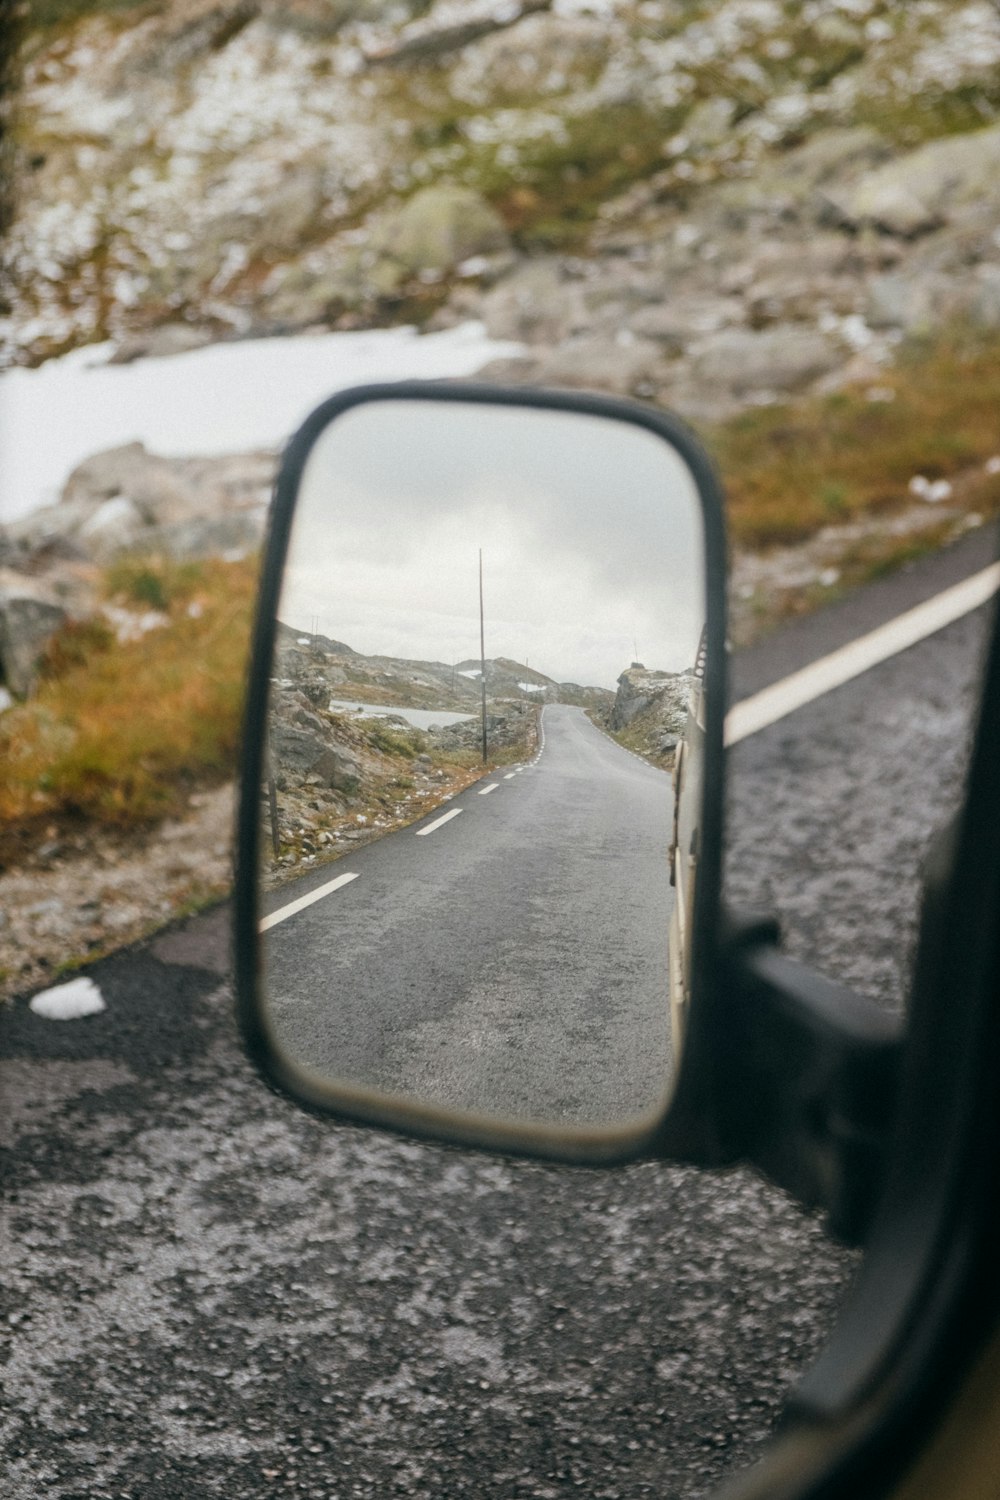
(808, 1078)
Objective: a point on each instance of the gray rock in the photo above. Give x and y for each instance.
(160, 343)
(984, 307)
(115, 526)
(674, 323)
(919, 191)
(29, 617)
(437, 229)
(534, 305)
(602, 364)
(303, 752)
(778, 359)
(148, 481)
(208, 536)
(540, 55)
(662, 695)
(426, 40)
(337, 768)
(798, 182)
(900, 301)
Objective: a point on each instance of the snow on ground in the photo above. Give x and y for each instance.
(420, 718)
(67, 1002)
(226, 398)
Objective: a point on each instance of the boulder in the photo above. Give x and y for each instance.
(115, 526)
(621, 366)
(148, 481)
(921, 190)
(232, 535)
(663, 696)
(775, 359)
(900, 301)
(30, 615)
(537, 56)
(533, 305)
(337, 769)
(674, 323)
(437, 229)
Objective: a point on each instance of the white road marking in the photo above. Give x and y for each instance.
(485, 791)
(293, 906)
(423, 832)
(510, 776)
(829, 672)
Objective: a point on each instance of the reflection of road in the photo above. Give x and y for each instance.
(506, 954)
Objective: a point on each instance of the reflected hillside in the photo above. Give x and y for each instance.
(362, 745)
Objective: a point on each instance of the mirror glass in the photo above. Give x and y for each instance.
(486, 653)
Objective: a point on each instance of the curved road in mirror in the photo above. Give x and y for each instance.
(510, 959)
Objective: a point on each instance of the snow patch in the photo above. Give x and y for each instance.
(236, 397)
(67, 1002)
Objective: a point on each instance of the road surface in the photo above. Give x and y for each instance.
(209, 1293)
(506, 954)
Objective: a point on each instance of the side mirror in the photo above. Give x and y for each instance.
(480, 827)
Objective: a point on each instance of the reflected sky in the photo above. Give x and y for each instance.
(590, 532)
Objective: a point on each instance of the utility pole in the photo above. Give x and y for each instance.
(482, 653)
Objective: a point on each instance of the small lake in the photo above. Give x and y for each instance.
(420, 718)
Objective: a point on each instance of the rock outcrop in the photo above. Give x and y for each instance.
(123, 501)
(707, 205)
(338, 777)
(652, 707)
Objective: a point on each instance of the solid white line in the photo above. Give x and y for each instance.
(293, 906)
(487, 789)
(858, 656)
(445, 818)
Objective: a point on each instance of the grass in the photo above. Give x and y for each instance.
(791, 469)
(120, 732)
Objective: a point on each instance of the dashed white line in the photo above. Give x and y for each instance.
(284, 912)
(510, 776)
(445, 818)
(829, 672)
(485, 791)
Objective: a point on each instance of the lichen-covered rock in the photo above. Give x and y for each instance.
(129, 500)
(641, 691)
(919, 191)
(30, 615)
(438, 228)
(780, 359)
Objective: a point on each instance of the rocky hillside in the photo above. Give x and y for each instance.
(340, 776)
(707, 204)
(649, 711)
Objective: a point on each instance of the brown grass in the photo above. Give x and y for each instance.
(121, 732)
(791, 469)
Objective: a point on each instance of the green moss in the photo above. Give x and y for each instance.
(910, 121)
(45, 15)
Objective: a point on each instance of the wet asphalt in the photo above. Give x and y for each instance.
(207, 1292)
(511, 960)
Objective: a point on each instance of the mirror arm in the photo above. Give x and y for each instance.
(809, 1077)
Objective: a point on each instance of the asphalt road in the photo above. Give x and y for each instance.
(210, 1293)
(506, 954)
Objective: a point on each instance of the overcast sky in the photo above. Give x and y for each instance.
(590, 532)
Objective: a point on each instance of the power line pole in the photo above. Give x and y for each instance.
(482, 652)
